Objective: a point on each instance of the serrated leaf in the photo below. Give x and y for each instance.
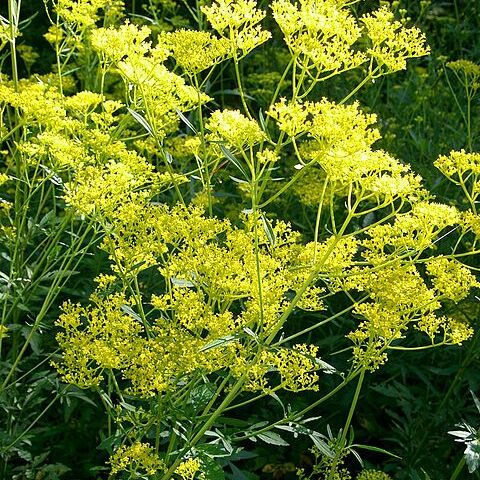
(213, 471)
(211, 451)
(272, 438)
(258, 425)
(202, 394)
(287, 428)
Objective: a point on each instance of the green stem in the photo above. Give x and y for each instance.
(240, 88)
(343, 436)
(226, 402)
(13, 15)
(459, 468)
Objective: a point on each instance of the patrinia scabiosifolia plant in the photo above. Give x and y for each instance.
(189, 322)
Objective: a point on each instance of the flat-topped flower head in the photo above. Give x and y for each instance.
(238, 22)
(234, 128)
(391, 42)
(195, 51)
(320, 32)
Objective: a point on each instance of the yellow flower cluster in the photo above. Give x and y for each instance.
(458, 164)
(237, 21)
(392, 43)
(4, 178)
(320, 33)
(341, 139)
(373, 475)
(3, 332)
(195, 51)
(331, 257)
(155, 91)
(388, 317)
(113, 44)
(54, 35)
(470, 222)
(470, 71)
(451, 279)
(463, 169)
(109, 336)
(187, 469)
(412, 231)
(38, 100)
(297, 368)
(342, 128)
(138, 458)
(234, 129)
(410, 300)
(82, 13)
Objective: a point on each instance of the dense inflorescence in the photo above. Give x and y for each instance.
(195, 293)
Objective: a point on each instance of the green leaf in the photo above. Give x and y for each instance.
(186, 121)
(213, 471)
(322, 445)
(272, 438)
(267, 227)
(476, 400)
(131, 313)
(75, 392)
(376, 449)
(181, 282)
(232, 159)
(202, 394)
(472, 455)
(141, 120)
(238, 474)
(219, 342)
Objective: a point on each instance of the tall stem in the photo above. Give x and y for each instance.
(343, 436)
(13, 14)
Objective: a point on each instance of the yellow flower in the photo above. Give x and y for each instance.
(451, 279)
(392, 43)
(138, 458)
(80, 14)
(195, 51)
(113, 44)
(458, 163)
(237, 22)
(321, 33)
(233, 128)
(188, 468)
(3, 332)
(373, 475)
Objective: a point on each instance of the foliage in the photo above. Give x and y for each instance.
(201, 213)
